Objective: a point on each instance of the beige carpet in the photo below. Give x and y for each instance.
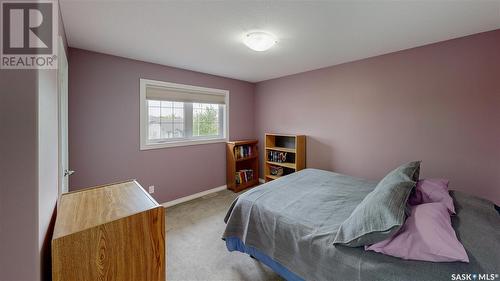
(195, 250)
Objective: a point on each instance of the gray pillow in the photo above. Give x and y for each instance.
(382, 212)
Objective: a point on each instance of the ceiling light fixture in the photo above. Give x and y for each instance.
(259, 41)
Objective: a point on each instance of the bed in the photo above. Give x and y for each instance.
(290, 223)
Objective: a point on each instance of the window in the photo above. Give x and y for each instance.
(165, 119)
(176, 114)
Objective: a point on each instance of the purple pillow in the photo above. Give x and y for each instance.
(432, 191)
(427, 235)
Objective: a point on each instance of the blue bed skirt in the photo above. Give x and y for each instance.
(235, 244)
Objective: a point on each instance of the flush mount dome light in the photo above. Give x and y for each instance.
(259, 41)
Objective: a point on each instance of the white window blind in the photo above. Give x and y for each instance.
(179, 95)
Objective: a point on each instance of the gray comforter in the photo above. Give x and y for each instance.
(294, 220)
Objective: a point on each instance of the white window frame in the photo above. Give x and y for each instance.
(145, 144)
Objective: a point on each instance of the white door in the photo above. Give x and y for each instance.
(62, 77)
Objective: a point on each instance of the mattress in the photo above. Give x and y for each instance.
(292, 221)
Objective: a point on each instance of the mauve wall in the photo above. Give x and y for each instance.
(104, 127)
(19, 173)
(438, 103)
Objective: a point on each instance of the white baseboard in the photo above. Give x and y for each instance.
(193, 196)
(261, 180)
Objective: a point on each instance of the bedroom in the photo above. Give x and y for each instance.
(371, 85)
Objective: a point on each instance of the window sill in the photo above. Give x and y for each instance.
(149, 146)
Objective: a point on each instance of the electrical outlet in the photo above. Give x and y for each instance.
(151, 189)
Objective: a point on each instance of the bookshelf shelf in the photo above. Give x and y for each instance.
(284, 149)
(242, 162)
(246, 158)
(287, 152)
(282, 164)
(246, 185)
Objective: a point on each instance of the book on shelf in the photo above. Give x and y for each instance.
(276, 156)
(243, 176)
(242, 151)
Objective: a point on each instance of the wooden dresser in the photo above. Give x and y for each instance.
(111, 232)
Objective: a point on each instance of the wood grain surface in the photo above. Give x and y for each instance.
(114, 232)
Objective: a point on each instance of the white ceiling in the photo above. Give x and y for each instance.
(206, 36)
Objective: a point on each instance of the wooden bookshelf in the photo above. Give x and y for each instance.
(278, 144)
(237, 162)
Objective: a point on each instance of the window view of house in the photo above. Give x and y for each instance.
(166, 119)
